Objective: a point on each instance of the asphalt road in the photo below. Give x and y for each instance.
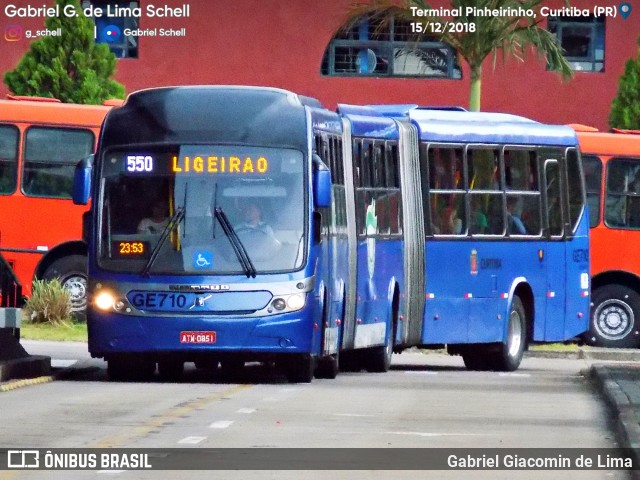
(424, 401)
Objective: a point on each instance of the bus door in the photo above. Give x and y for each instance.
(552, 254)
(576, 285)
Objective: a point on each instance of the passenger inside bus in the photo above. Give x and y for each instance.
(514, 222)
(479, 223)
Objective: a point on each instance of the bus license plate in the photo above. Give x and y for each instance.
(197, 337)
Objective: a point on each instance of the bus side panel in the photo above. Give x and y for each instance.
(446, 310)
(578, 281)
(379, 261)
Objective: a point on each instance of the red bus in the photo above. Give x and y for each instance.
(41, 140)
(612, 175)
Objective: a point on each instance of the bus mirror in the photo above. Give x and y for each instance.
(82, 181)
(321, 183)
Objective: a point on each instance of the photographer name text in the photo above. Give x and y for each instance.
(107, 11)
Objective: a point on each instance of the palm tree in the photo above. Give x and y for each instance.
(514, 35)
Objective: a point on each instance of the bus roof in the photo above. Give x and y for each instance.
(39, 112)
(372, 126)
(209, 114)
(481, 127)
(605, 143)
(391, 110)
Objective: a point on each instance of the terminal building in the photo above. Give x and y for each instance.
(310, 48)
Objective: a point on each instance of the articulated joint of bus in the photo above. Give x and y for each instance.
(248, 300)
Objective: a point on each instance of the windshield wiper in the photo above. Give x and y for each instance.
(236, 243)
(174, 221)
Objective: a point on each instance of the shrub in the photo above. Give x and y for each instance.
(71, 67)
(625, 108)
(49, 303)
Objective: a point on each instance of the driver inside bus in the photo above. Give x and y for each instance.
(157, 222)
(252, 220)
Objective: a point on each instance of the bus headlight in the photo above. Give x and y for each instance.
(104, 301)
(295, 302)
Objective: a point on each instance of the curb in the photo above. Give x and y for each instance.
(604, 354)
(627, 426)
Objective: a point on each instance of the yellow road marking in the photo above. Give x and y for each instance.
(168, 416)
(6, 387)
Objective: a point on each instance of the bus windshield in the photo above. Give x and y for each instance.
(258, 190)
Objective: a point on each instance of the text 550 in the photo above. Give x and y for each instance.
(139, 163)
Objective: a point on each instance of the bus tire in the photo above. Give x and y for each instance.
(72, 273)
(614, 318)
(300, 369)
(379, 358)
(509, 354)
(170, 370)
(475, 357)
(328, 367)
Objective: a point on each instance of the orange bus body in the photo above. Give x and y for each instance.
(36, 231)
(615, 256)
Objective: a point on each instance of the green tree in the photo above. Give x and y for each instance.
(71, 67)
(625, 109)
(510, 35)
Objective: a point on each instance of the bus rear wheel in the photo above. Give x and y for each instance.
(614, 317)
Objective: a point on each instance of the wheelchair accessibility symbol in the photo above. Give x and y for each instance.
(203, 260)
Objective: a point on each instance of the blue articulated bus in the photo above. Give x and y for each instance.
(485, 247)
(206, 242)
(234, 224)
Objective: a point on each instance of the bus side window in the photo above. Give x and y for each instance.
(593, 178)
(447, 191)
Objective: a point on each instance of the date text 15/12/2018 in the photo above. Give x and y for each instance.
(443, 27)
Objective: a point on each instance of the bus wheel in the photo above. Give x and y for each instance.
(613, 320)
(378, 359)
(170, 370)
(125, 369)
(300, 368)
(475, 357)
(72, 273)
(328, 367)
(509, 354)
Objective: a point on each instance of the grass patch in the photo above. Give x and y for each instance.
(555, 347)
(68, 332)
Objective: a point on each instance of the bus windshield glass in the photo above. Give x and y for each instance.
(259, 190)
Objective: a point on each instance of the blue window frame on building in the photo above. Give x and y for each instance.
(582, 39)
(111, 30)
(371, 47)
